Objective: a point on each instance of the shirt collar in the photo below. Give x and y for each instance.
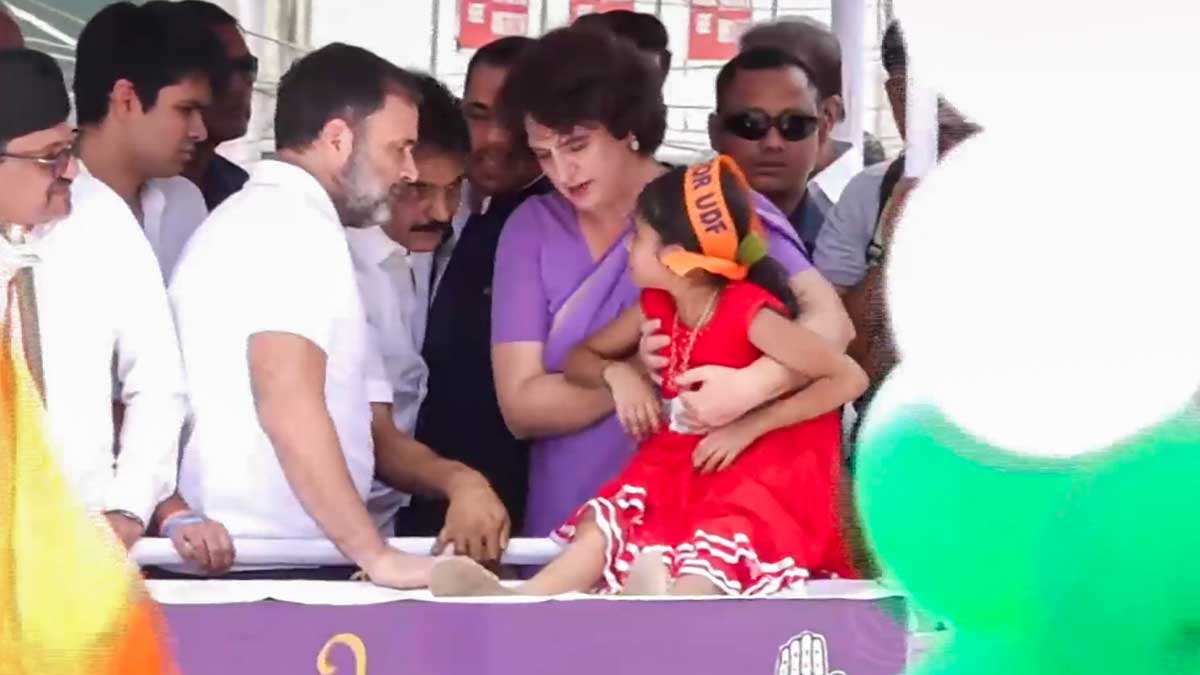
(833, 179)
(284, 174)
(372, 245)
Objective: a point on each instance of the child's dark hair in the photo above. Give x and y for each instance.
(662, 206)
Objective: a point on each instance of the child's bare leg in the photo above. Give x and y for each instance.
(577, 569)
(694, 585)
(648, 576)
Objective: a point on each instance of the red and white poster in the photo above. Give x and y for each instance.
(482, 21)
(581, 7)
(715, 28)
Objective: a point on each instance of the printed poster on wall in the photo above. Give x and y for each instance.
(581, 7)
(715, 28)
(482, 21)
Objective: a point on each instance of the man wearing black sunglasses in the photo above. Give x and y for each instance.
(229, 115)
(767, 119)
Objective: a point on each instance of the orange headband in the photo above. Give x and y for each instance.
(712, 222)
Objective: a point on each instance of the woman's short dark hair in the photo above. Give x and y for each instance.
(662, 205)
(582, 75)
(336, 81)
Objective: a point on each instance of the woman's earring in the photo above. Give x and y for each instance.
(634, 145)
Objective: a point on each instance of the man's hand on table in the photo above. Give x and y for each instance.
(127, 528)
(477, 524)
(203, 542)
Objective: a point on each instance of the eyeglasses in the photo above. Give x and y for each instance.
(57, 163)
(248, 65)
(754, 125)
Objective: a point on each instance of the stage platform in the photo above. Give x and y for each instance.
(349, 628)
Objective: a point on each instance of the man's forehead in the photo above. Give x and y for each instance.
(485, 83)
(42, 140)
(437, 166)
(784, 87)
(398, 117)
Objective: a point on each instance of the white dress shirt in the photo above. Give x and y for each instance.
(272, 258)
(102, 310)
(395, 290)
(172, 209)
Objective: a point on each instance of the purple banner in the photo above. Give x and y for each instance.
(582, 637)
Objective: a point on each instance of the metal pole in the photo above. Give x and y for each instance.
(433, 48)
(849, 24)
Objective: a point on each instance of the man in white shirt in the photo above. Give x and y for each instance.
(290, 402)
(143, 77)
(98, 306)
(394, 262)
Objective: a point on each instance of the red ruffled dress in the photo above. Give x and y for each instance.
(764, 524)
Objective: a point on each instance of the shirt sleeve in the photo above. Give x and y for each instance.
(293, 294)
(151, 385)
(379, 388)
(841, 249)
(519, 303)
(782, 242)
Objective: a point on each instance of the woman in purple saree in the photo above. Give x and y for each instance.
(593, 115)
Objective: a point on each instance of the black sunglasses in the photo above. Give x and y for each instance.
(754, 125)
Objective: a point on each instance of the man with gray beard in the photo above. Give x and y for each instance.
(291, 406)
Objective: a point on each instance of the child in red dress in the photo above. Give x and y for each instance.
(748, 509)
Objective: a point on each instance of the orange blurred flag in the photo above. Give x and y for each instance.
(70, 601)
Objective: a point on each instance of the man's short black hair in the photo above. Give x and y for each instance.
(335, 81)
(760, 58)
(808, 40)
(206, 13)
(152, 46)
(893, 50)
(644, 30)
(502, 53)
(441, 125)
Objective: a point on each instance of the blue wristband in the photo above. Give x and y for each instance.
(174, 522)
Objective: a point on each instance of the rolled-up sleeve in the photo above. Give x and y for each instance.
(150, 371)
(519, 303)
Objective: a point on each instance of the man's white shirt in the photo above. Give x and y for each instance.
(172, 209)
(272, 258)
(103, 312)
(395, 291)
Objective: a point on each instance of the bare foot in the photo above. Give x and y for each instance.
(400, 570)
(465, 578)
(648, 576)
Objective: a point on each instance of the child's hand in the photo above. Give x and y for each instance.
(637, 403)
(719, 448)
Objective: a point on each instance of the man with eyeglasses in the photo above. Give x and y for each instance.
(767, 119)
(228, 117)
(90, 297)
(393, 264)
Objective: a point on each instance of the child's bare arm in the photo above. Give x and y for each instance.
(615, 342)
